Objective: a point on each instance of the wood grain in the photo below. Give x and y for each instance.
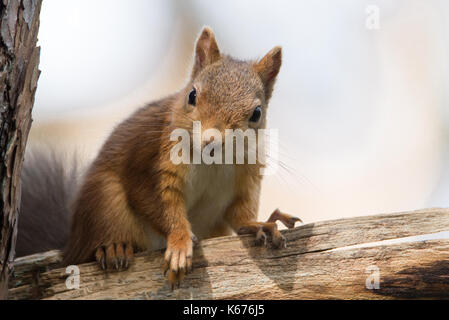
(320, 262)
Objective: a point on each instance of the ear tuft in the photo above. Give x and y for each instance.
(268, 69)
(206, 51)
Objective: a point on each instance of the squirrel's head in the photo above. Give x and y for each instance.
(226, 93)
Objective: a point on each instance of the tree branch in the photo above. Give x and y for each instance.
(321, 262)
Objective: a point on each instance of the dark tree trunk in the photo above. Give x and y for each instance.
(19, 59)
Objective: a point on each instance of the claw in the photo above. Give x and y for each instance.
(283, 243)
(290, 223)
(114, 256)
(178, 259)
(266, 231)
(100, 257)
(288, 220)
(194, 239)
(279, 240)
(189, 266)
(261, 237)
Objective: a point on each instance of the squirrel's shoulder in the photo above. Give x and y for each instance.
(156, 107)
(143, 126)
(153, 113)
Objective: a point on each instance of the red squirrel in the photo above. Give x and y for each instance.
(134, 198)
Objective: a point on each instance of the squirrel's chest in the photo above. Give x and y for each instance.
(209, 190)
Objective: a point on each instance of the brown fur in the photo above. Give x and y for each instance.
(133, 192)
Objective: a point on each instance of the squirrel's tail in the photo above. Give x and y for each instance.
(48, 187)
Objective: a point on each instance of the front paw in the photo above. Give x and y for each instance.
(265, 232)
(178, 257)
(116, 256)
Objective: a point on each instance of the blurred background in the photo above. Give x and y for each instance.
(361, 102)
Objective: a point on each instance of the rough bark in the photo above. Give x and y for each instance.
(324, 260)
(19, 60)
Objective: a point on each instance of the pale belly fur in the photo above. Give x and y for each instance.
(209, 190)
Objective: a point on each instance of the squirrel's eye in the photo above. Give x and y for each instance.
(192, 97)
(256, 115)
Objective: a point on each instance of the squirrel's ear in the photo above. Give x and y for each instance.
(268, 68)
(206, 51)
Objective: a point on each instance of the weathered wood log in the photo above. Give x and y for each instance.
(19, 59)
(339, 259)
